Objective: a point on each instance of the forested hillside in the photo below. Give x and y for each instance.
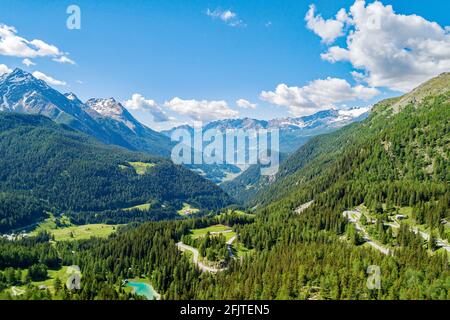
(246, 185)
(46, 166)
(395, 161)
(404, 140)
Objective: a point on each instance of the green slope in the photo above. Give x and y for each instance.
(46, 165)
(389, 148)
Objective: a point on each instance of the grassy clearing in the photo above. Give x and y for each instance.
(198, 233)
(63, 230)
(237, 213)
(52, 223)
(241, 250)
(141, 207)
(218, 228)
(229, 235)
(83, 232)
(62, 274)
(187, 210)
(141, 167)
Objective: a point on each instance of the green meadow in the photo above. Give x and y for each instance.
(187, 210)
(141, 167)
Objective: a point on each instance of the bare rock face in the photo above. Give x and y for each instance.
(110, 108)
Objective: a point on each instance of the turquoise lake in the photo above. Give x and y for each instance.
(143, 289)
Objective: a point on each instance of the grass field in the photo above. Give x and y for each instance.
(197, 233)
(187, 210)
(142, 207)
(141, 167)
(83, 232)
(62, 229)
(52, 223)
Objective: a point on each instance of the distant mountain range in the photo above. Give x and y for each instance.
(294, 132)
(105, 119)
(109, 122)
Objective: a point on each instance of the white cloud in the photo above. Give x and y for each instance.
(139, 103)
(15, 46)
(48, 79)
(242, 103)
(44, 49)
(202, 110)
(227, 16)
(318, 95)
(329, 29)
(4, 69)
(28, 62)
(63, 59)
(392, 50)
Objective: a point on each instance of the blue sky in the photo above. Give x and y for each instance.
(196, 52)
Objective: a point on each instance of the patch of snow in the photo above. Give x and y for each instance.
(110, 108)
(354, 113)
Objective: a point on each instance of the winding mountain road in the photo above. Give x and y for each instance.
(439, 242)
(184, 247)
(354, 216)
(203, 267)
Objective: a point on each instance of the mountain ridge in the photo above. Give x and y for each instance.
(21, 92)
(321, 118)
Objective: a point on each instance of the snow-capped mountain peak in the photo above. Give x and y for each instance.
(354, 112)
(71, 96)
(105, 119)
(293, 130)
(106, 107)
(19, 76)
(22, 79)
(110, 108)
